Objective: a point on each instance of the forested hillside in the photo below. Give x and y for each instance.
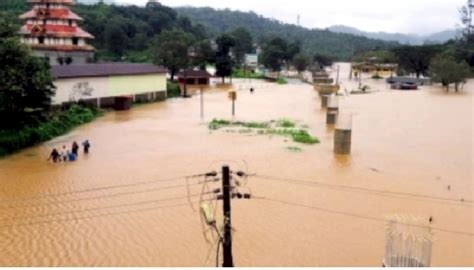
(314, 41)
(126, 31)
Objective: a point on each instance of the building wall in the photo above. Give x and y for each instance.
(78, 58)
(93, 88)
(126, 85)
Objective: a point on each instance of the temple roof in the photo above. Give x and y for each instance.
(51, 32)
(66, 2)
(53, 14)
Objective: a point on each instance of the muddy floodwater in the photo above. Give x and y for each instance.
(126, 203)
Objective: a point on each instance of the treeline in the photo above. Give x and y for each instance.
(313, 41)
(126, 32)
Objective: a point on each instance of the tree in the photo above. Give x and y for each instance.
(26, 84)
(159, 21)
(243, 44)
(416, 58)
(116, 39)
(446, 70)
(184, 23)
(171, 49)
(466, 20)
(224, 63)
(292, 49)
(301, 62)
(204, 54)
(274, 54)
(323, 60)
(465, 46)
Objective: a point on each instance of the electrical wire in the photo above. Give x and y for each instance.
(96, 208)
(43, 196)
(148, 190)
(320, 209)
(93, 216)
(374, 191)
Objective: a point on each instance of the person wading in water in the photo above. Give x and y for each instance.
(75, 149)
(87, 146)
(54, 156)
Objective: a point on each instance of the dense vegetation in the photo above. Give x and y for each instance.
(26, 85)
(125, 32)
(43, 127)
(339, 46)
(26, 89)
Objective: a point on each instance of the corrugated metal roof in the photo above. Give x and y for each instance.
(194, 74)
(104, 70)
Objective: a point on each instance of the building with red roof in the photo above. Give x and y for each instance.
(51, 29)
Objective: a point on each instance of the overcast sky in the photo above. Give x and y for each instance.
(404, 16)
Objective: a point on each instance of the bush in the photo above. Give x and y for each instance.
(44, 129)
(172, 90)
(377, 77)
(281, 81)
(239, 73)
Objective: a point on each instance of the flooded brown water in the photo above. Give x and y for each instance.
(115, 207)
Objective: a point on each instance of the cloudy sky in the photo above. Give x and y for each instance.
(404, 16)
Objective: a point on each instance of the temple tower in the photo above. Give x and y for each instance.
(51, 30)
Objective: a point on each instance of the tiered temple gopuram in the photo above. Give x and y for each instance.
(51, 30)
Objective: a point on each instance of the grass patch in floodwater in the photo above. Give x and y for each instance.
(283, 127)
(285, 123)
(294, 149)
(219, 123)
(281, 81)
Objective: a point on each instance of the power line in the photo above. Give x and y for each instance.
(94, 216)
(359, 216)
(98, 208)
(149, 190)
(377, 192)
(43, 196)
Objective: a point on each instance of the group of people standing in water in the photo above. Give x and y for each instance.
(68, 155)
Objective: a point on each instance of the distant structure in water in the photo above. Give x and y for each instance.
(408, 242)
(51, 30)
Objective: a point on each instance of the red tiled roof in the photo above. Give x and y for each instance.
(53, 14)
(58, 31)
(67, 2)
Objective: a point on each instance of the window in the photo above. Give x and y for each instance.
(70, 22)
(41, 40)
(75, 41)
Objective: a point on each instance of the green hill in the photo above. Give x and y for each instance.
(123, 33)
(340, 45)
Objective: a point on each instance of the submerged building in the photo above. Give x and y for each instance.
(51, 29)
(109, 85)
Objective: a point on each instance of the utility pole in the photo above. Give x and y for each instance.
(337, 79)
(227, 239)
(185, 90)
(233, 107)
(202, 104)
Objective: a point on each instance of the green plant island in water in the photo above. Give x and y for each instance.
(283, 127)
